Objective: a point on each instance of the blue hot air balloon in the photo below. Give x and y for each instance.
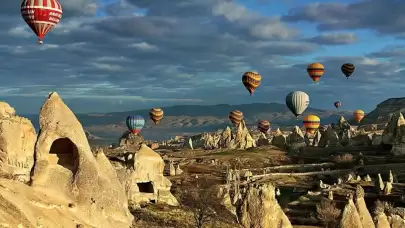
(135, 123)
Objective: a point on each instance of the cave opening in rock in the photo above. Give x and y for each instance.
(146, 187)
(66, 154)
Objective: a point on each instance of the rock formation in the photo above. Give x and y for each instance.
(296, 140)
(329, 139)
(380, 218)
(279, 139)
(350, 216)
(17, 141)
(365, 216)
(69, 186)
(130, 141)
(397, 137)
(389, 133)
(147, 181)
(261, 209)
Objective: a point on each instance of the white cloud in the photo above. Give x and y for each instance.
(143, 46)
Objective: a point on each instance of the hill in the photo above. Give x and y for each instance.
(384, 110)
(190, 119)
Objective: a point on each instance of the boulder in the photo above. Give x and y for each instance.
(17, 141)
(260, 208)
(148, 182)
(66, 168)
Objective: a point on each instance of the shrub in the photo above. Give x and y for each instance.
(328, 213)
(343, 159)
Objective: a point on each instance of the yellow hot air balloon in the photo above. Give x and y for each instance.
(251, 80)
(358, 115)
(311, 123)
(315, 71)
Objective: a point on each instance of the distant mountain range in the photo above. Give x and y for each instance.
(190, 119)
(384, 110)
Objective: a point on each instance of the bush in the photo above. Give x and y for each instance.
(328, 213)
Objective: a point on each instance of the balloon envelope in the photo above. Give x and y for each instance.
(135, 123)
(156, 115)
(358, 115)
(263, 126)
(311, 123)
(315, 71)
(236, 117)
(251, 80)
(297, 102)
(337, 104)
(348, 69)
(41, 16)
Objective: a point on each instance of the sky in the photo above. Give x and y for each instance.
(119, 55)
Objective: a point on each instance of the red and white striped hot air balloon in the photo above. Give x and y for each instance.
(41, 15)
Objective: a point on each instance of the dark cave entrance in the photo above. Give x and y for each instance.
(67, 154)
(146, 187)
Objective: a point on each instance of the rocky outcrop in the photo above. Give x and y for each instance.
(239, 139)
(279, 139)
(361, 139)
(376, 139)
(130, 141)
(365, 216)
(260, 209)
(69, 186)
(398, 137)
(329, 138)
(350, 216)
(296, 140)
(147, 181)
(389, 133)
(17, 141)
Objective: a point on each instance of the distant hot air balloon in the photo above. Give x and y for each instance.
(311, 123)
(135, 123)
(263, 126)
(358, 115)
(297, 102)
(41, 15)
(348, 69)
(156, 115)
(315, 71)
(236, 117)
(337, 104)
(251, 80)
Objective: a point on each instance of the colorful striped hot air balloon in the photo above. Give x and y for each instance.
(135, 123)
(348, 69)
(263, 126)
(251, 80)
(297, 102)
(315, 71)
(41, 15)
(311, 123)
(337, 104)
(358, 115)
(156, 115)
(236, 117)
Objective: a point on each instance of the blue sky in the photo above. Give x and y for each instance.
(113, 55)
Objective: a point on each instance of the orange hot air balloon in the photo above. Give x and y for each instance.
(358, 115)
(251, 80)
(315, 71)
(156, 115)
(236, 117)
(311, 123)
(263, 126)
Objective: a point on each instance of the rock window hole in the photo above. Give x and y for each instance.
(66, 154)
(145, 187)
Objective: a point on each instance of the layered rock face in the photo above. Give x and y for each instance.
(69, 186)
(17, 141)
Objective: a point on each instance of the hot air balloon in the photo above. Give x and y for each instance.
(41, 16)
(251, 80)
(311, 123)
(135, 123)
(236, 117)
(156, 115)
(358, 115)
(348, 69)
(337, 104)
(263, 126)
(297, 102)
(315, 71)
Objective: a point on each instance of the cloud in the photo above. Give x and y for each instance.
(358, 15)
(335, 39)
(139, 53)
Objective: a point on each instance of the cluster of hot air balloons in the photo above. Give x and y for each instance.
(136, 123)
(296, 101)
